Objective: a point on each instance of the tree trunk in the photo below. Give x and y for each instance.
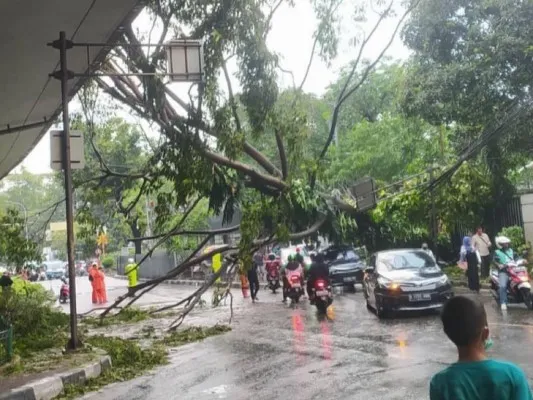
(136, 233)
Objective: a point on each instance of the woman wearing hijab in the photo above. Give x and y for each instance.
(468, 255)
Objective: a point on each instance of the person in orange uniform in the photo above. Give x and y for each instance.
(102, 292)
(93, 272)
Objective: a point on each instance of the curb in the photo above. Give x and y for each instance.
(48, 388)
(186, 282)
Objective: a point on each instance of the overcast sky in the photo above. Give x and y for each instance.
(292, 38)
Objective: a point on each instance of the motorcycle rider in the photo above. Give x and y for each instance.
(503, 256)
(272, 264)
(292, 265)
(318, 270)
(427, 250)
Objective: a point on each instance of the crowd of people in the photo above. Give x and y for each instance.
(476, 257)
(262, 266)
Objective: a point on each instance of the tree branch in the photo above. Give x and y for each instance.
(232, 102)
(340, 100)
(309, 63)
(270, 16)
(282, 155)
(198, 232)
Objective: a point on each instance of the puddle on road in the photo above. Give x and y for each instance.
(221, 391)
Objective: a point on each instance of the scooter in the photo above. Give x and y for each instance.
(519, 287)
(64, 291)
(322, 297)
(295, 289)
(273, 280)
(272, 271)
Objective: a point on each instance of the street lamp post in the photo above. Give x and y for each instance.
(184, 63)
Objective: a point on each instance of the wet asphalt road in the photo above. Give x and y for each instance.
(164, 294)
(278, 352)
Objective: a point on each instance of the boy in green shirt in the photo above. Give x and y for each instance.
(474, 376)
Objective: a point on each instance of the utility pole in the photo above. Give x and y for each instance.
(63, 74)
(433, 217)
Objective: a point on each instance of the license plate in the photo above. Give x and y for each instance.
(349, 279)
(321, 293)
(296, 285)
(419, 297)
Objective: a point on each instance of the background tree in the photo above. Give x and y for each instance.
(113, 201)
(39, 194)
(15, 249)
(471, 63)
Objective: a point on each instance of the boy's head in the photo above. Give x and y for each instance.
(465, 321)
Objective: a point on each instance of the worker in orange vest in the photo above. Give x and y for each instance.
(93, 272)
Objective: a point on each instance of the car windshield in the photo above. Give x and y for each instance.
(54, 266)
(407, 260)
(347, 255)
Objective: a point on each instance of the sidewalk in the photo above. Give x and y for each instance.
(46, 386)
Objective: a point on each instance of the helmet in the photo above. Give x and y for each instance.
(291, 257)
(501, 240)
(271, 256)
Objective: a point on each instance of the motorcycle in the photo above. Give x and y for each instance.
(272, 270)
(273, 280)
(295, 289)
(519, 287)
(64, 291)
(322, 297)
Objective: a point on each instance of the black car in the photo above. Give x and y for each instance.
(346, 268)
(404, 280)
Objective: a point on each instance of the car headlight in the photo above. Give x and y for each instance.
(387, 283)
(443, 280)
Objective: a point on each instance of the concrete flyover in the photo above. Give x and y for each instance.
(30, 101)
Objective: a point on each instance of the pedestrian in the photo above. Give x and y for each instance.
(253, 279)
(131, 272)
(258, 260)
(101, 291)
(427, 250)
(93, 272)
(481, 243)
(5, 280)
(468, 255)
(474, 376)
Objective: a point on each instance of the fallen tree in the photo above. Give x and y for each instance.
(209, 140)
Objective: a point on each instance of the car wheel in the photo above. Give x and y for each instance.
(381, 312)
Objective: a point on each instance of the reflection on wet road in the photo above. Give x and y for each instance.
(278, 352)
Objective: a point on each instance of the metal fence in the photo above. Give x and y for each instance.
(162, 262)
(159, 264)
(6, 341)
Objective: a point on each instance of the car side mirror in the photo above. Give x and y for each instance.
(369, 270)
